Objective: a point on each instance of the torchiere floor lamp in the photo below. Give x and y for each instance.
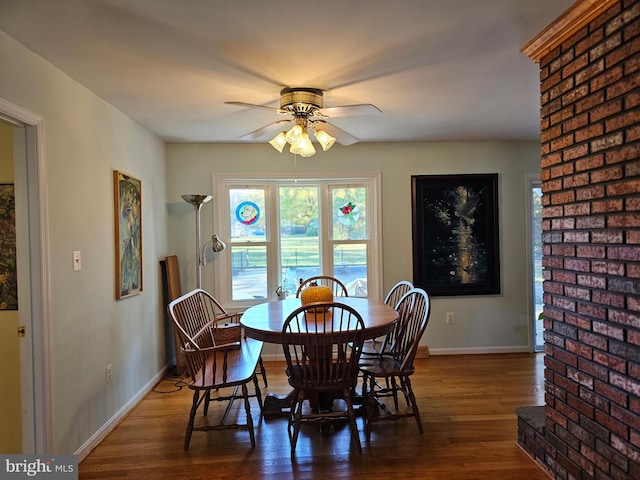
(217, 245)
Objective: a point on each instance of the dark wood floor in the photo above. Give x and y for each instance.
(467, 404)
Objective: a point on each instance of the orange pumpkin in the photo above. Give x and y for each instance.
(316, 293)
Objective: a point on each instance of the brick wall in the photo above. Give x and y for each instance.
(590, 149)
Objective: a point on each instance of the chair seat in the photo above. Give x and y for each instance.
(241, 366)
(383, 366)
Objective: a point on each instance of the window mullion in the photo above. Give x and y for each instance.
(326, 242)
(273, 238)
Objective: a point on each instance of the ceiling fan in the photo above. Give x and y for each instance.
(306, 111)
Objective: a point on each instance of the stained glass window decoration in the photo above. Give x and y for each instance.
(247, 213)
(348, 214)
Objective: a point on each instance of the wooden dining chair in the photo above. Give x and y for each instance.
(337, 287)
(396, 362)
(214, 362)
(322, 343)
(374, 346)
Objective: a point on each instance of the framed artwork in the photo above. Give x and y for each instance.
(8, 273)
(128, 225)
(455, 234)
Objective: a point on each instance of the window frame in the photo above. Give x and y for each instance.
(222, 183)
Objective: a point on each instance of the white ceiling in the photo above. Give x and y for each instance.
(438, 69)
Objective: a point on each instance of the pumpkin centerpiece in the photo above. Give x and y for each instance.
(316, 293)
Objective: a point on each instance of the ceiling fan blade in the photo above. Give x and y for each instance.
(342, 137)
(251, 105)
(259, 133)
(349, 110)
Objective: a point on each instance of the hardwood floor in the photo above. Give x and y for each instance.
(467, 404)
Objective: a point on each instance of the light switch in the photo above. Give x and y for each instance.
(77, 261)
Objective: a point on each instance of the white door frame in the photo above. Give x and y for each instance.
(33, 279)
(531, 180)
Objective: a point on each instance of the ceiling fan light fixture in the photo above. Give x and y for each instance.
(279, 141)
(325, 139)
(305, 107)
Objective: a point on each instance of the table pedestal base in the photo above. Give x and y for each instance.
(277, 405)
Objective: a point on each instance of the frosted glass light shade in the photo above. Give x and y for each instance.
(279, 141)
(325, 139)
(303, 147)
(294, 134)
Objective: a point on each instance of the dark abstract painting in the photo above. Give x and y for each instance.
(455, 234)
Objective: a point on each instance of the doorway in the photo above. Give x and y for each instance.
(534, 189)
(11, 433)
(32, 274)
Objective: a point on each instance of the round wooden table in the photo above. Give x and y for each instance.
(264, 322)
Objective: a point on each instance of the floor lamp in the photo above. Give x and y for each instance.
(217, 245)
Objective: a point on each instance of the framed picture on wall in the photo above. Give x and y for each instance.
(455, 234)
(128, 238)
(8, 272)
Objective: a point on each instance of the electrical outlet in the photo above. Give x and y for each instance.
(108, 373)
(451, 318)
(77, 261)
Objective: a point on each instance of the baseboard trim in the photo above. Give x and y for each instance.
(477, 350)
(437, 351)
(113, 422)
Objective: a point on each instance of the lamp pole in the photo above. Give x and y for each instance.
(197, 201)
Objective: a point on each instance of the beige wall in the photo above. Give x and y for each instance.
(85, 140)
(10, 434)
(485, 323)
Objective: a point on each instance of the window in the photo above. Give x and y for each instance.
(350, 236)
(279, 231)
(248, 245)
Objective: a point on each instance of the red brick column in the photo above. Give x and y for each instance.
(590, 167)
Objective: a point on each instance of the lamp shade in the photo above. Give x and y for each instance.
(325, 139)
(293, 135)
(279, 141)
(303, 146)
(217, 245)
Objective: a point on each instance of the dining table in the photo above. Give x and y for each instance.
(265, 321)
